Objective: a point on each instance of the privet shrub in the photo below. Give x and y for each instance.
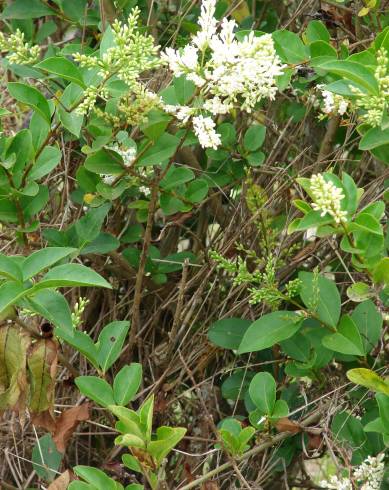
(194, 245)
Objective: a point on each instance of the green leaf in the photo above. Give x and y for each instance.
(95, 477)
(196, 190)
(347, 428)
(46, 458)
(236, 385)
(270, 329)
(263, 392)
(366, 222)
(131, 463)
(228, 332)
(167, 439)
(102, 244)
(10, 293)
(359, 291)
(10, 268)
(176, 176)
(32, 97)
(280, 410)
(63, 67)
(46, 162)
(352, 71)
(323, 298)
(160, 151)
(81, 341)
(347, 339)
(126, 383)
(289, 47)
(104, 162)
(96, 389)
(19, 10)
(369, 379)
(52, 306)
(69, 118)
(110, 343)
(383, 406)
(374, 138)
(69, 275)
(254, 137)
(317, 31)
(44, 258)
(89, 226)
(381, 272)
(369, 323)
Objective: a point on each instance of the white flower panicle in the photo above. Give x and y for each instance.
(333, 103)
(226, 71)
(19, 52)
(204, 128)
(327, 198)
(369, 476)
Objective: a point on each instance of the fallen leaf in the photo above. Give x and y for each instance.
(62, 482)
(287, 425)
(67, 423)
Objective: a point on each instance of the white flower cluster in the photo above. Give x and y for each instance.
(226, 71)
(128, 155)
(333, 103)
(20, 52)
(368, 475)
(327, 198)
(374, 106)
(371, 472)
(204, 128)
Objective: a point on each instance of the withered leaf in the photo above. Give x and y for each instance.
(42, 365)
(286, 425)
(44, 419)
(13, 383)
(62, 482)
(66, 424)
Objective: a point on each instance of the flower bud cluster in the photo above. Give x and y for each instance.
(19, 52)
(327, 198)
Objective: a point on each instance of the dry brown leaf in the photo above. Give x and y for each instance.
(45, 420)
(287, 425)
(66, 424)
(62, 482)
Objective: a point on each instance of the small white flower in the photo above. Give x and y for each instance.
(183, 62)
(216, 106)
(333, 103)
(204, 128)
(207, 23)
(108, 179)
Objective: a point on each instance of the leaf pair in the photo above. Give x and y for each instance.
(125, 386)
(106, 350)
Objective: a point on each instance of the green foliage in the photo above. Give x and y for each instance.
(169, 177)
